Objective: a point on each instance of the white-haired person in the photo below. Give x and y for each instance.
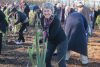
(56, 37)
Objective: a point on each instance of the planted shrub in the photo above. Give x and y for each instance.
(98, 21)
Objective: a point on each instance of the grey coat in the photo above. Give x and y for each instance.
(76, 29)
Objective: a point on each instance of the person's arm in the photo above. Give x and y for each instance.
(17, 17)
(85, 24)
(55, 28)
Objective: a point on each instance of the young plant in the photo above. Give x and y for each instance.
(98, 21)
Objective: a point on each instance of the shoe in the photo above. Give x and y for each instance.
(19, 42)
(84, 59)
(67, 56)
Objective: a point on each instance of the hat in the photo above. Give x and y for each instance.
(79, 4)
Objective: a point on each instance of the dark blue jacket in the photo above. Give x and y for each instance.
(20, 17)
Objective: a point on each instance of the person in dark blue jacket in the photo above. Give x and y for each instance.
(76, 30)
(26, 9)
(3, 27)
(23, 19)
(55, 35)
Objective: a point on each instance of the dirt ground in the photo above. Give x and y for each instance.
(17, 55)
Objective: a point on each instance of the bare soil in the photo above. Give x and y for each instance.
(17, 55)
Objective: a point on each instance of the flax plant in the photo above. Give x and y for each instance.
(98, 21)
(40, 51)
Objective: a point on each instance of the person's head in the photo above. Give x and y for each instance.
(58, 5)
(48, 9)
(25, 3)
(79, 6)
(63, 5)
(91, 9)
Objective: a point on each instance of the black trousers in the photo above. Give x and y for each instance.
(0, 42)
(27, 14)
(21, 36)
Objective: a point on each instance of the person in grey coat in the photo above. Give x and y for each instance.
(76, 29)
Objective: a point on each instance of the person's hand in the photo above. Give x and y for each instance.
(44, 34)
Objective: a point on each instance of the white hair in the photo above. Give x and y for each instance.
(48, 5)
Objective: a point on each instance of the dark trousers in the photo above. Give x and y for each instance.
(21, 36)
(93, 25)
(0, 42)
(27, 14)
(61, 52)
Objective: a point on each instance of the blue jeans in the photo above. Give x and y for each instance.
(90, 26)
(61, 52)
